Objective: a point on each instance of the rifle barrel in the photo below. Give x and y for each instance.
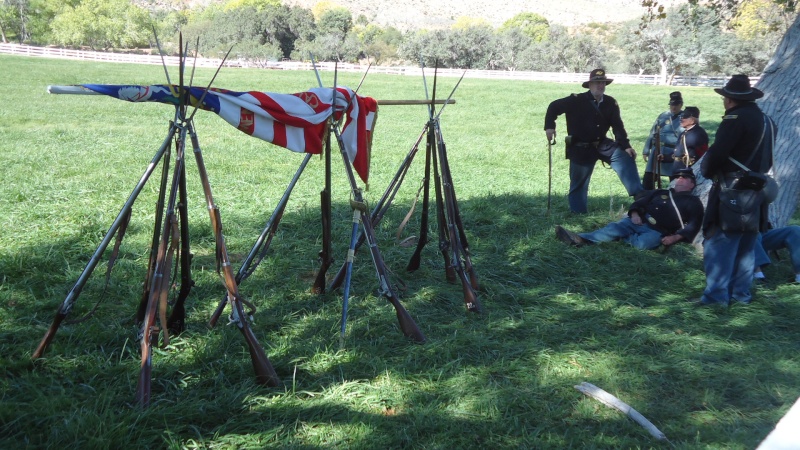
(415, 102)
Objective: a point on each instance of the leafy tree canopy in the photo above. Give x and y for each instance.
(531, 24)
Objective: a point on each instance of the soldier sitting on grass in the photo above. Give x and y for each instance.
(659, 217)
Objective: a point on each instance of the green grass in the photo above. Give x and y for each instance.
(554, 316)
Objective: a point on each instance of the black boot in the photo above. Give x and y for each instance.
(648, 181)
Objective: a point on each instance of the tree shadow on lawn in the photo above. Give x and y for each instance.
(554, 316)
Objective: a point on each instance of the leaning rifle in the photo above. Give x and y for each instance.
(656, 156)
(550, 143)
(263, 242)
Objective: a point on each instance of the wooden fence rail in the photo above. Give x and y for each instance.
(560, 77)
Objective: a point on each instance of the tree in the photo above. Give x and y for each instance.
(780, 82)
(102, 24)
(564, 52)
(530, 24)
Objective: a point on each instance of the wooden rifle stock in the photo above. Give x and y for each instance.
(50, 334)
(263, 242)
(160, 281)
(407, 324)
(325, 255)
(456, 247)
(265, 373)
(462, 236)
(383, 204)
(66, 306)
(445, 245)
(177, 319)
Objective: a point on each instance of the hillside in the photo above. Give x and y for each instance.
(411, 14)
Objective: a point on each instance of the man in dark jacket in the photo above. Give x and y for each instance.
(589, 117)
(693, 142)
(746, 135)
(659, 217)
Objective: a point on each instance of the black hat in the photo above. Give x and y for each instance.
(683, 173)
(597, 75)
(738, 88)
(691, 111)
(675, 98)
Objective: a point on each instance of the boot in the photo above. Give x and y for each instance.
(648, 181)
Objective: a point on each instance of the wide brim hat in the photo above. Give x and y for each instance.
(738, 88)
(597, 75)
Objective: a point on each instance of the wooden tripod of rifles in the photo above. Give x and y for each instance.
(171, 240)
(452, 238)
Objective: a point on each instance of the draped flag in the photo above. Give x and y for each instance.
(297, 121)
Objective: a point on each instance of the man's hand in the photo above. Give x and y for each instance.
(636, 218)
(631, 152)
(645, 157)
(671, 239)
(551, 134)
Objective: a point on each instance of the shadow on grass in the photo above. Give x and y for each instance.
(554, 316)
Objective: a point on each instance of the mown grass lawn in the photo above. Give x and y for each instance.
(554, 316)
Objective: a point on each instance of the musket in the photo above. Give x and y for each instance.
(382, 206)
(550, 143)
(66, 306)
(265, 373)
(177, 319)
(160, 281)
(407, 324)
(263, 242)
(656, 155)
(457, 248)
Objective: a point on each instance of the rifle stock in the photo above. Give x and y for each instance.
(457, 247)
(66, 306)
(326, 258)
(177, 319)
(49, 335)
(265, 373)
(407, 324)
(324, 254)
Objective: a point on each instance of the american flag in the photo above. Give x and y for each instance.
(297, 121)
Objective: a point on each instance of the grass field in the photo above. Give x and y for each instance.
(554, 316)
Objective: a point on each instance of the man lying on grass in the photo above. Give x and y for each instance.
(662, 216)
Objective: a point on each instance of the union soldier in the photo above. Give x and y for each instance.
(589, 116)
(658, 217)
(668, 128)
(745, 135)
(693, 142)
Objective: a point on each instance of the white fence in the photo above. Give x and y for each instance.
(49, 52)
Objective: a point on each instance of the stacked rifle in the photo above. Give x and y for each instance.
(170, 240)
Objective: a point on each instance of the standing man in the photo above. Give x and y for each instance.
(693, 142)
(668, 129)
(746, 134)
(589, 117)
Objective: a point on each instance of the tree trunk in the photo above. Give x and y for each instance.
(780, 83)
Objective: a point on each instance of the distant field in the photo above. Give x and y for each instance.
(555, 316)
